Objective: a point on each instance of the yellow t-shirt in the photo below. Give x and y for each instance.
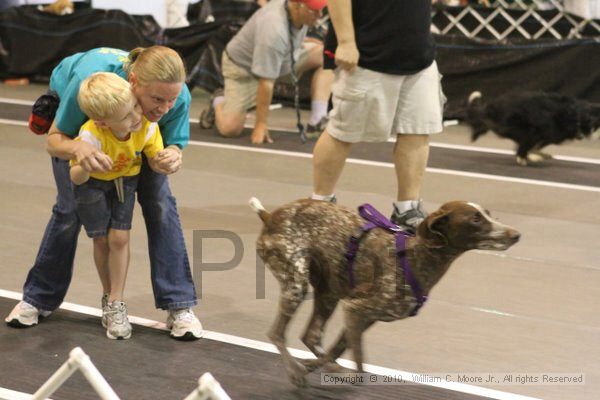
(126, 155)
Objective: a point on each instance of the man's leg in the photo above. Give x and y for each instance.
(329, 157)
(411, 153)
(228, 123)
(239, 94)
(320, 88)
(410, 159)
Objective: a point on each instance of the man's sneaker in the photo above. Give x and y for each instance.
(207, 116)
(105, 309)
(24, 315)
(117, 324)
(184, 325)
(409, 220)
(313, 131)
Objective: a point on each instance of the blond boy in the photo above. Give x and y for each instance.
(105, 200)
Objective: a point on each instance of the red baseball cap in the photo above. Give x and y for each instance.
(316, 5)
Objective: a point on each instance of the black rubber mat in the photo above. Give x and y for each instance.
(151, 365)
(460, 160)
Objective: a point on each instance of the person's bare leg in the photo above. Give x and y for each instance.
(411, 153)
(101, 261)
(118, 262)
(320, 86)
(229, 124)
(329, 157)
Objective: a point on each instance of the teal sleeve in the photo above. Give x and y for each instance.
(69, 116)
(175, 125)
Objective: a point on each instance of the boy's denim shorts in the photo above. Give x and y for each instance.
(99, 208)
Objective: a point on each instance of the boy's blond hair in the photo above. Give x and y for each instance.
(155, 64)
(102, 94)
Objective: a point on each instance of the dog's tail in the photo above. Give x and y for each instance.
(475, 114)
(258, 208)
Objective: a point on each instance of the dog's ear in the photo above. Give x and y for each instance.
(431, 231)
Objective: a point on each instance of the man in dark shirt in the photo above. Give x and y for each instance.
(387, 84)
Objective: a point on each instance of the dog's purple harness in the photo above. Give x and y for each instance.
(377, 220)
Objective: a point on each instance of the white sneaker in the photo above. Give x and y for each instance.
(105, 309)
(117, 324)
(24, 315)
(184, 325)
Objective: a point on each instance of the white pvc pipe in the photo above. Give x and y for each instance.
(94, 377)
(77, 360)
(56, 380)
(208, 389)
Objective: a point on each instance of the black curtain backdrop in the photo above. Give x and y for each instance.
(32, 43)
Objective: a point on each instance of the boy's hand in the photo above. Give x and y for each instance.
(169, 160)
(91, 159)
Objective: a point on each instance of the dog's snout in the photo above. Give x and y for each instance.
(514, 235)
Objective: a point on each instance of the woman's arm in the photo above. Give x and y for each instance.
(60, 145)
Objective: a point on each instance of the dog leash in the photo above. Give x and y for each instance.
(295, 79)
(377, 220)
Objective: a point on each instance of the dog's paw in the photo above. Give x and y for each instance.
(296, 373)
(311, 364)
(543, 155)
(522, 161)
(335, 368)
(535, 158)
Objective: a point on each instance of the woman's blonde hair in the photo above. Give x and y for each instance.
(156, 63)
(102, 94)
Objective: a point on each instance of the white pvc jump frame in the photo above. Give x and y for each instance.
(208, 387)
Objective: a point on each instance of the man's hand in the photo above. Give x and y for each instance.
(261, 135)
(346, 55)
(169, 160)
(90, 158)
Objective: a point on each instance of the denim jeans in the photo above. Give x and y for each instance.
(50, 276)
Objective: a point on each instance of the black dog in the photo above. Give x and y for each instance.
(532, 120)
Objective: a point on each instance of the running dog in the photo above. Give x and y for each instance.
(306, 242)
(533, 120)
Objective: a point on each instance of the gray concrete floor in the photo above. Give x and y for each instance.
(532, 309)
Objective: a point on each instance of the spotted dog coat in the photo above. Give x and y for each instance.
(305, 242)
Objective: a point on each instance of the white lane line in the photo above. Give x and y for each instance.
(16, 101)
(269, 348)
(390, 165)
(501, 178)
(13, 122)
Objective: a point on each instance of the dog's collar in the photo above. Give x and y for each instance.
(377, 220)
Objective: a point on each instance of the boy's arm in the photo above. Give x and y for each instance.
(156, 154)
(79, 175)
